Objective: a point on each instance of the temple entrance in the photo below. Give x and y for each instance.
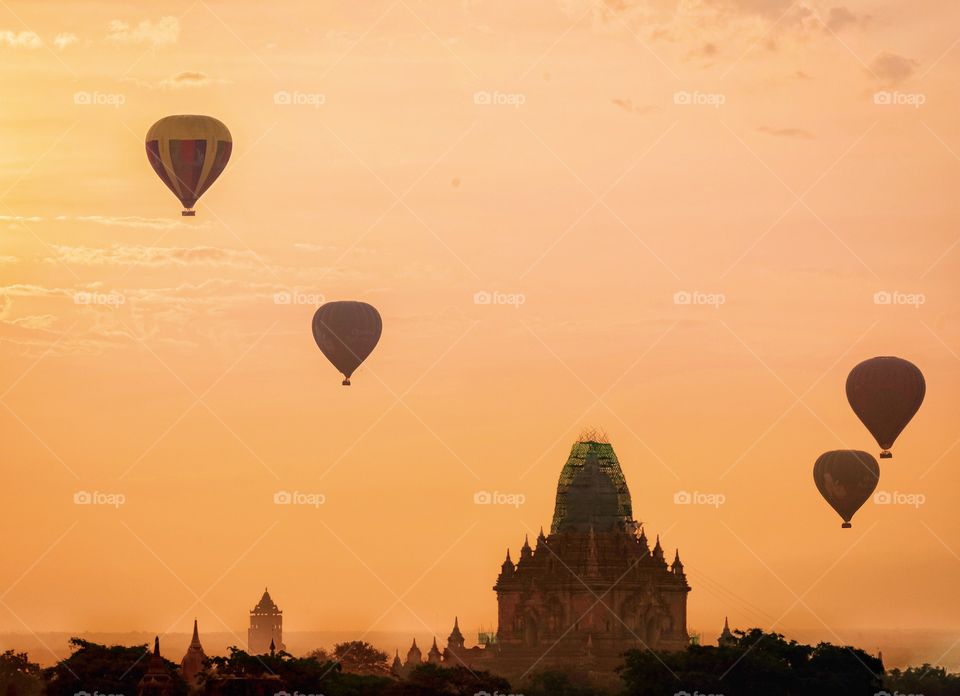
(531, 636)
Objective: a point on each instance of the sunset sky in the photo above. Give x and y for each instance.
(779, 163)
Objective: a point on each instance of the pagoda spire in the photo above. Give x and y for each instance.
(397, 666)
(156, 664)
(658, 551)
(455, 640)
(644, 544)
(676, 567)
(726, 638)
(414, 656)
(156, 681)
(433, 656)
(508, 568)
(525, 550)
(193, 660)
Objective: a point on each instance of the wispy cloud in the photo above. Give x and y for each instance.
(628, 106)
(162, 32)
(64, 39)
(787, 132)
(118, 255)
(309, 246)
(103, 318)
(893, 69)
(189, 79)
(35, 321)
(841, 17)
(134, 221)
(131, 221)
(22, 39)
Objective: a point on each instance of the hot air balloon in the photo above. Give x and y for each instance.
(846, 479)
(885, 393)
(346, 333)
(188, 153)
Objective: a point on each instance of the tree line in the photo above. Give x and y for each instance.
(755, 662)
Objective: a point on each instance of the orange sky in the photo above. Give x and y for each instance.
(590, 188)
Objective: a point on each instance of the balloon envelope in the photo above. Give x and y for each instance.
(885, 393)
(846, 479)
(346, 333)
(188, 153)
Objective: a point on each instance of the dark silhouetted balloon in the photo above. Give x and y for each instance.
(846, 479)
(188, 153)
(885, 393)
(347, 332)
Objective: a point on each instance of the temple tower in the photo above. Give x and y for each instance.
(592, 588)
(192, 663)
(266, 626)
(156, 680)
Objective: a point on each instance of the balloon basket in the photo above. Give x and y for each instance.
(846, 525)
(346, 383)
(886, 455)
(189, 213)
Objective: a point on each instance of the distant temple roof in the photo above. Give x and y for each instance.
(592, 491)
(266, 605)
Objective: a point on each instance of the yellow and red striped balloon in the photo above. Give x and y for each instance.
(188, 153)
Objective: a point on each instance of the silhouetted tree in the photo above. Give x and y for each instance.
(433, 680)
(758, 663)
(19, 676)
(926, 680)
(319, 654)
(359, 657)
(305, 675)
(553, 682)
(110, 670)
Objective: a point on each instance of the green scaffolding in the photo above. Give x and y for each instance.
(609, 464)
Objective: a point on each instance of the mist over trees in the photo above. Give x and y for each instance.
(756, 662)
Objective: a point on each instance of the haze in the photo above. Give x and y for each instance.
(736, 153)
